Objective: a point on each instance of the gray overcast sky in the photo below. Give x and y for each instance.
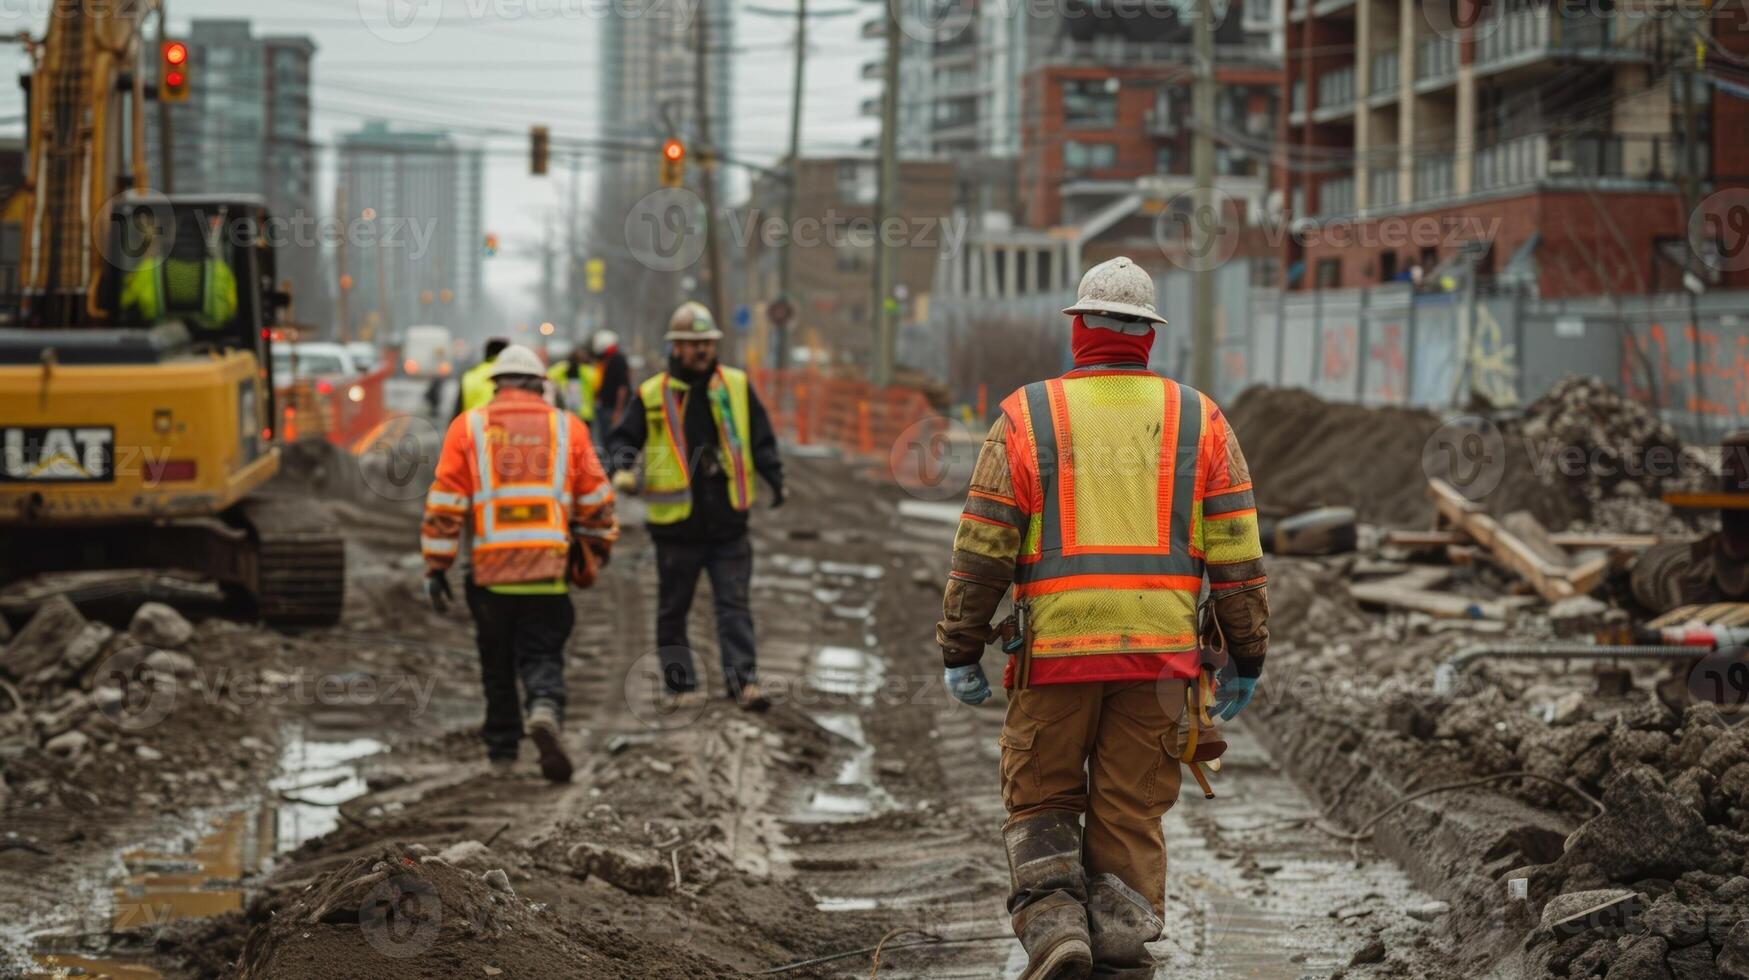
(481, 65)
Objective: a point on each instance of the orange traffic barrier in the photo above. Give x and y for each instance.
(847, 413)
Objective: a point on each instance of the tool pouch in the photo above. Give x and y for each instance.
(1200, 743)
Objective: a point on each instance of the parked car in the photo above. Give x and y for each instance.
(426, 352)
(311, 359)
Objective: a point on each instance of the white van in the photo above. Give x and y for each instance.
(426, 352)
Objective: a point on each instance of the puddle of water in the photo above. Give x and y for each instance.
(846, 671)
(852, 570)
(829, 903)
(319, 774)
(843, 724)
(165, 882)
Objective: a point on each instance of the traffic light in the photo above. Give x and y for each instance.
(538, 142)
(673, 163)
(173, 72)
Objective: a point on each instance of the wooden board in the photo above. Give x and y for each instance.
(1714, 614)
(1507, 548)
(1576, 540)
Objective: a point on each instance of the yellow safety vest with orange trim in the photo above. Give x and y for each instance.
(1121, 476)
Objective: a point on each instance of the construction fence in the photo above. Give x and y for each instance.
(1687, 356)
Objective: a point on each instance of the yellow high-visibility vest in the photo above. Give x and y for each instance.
(477, 386)
(579, 390)
(667, 477)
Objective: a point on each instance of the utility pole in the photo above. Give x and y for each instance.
(707, 160)
(166, 154)
(780, 341)
(343, 279)
(1203, 218)
(882, 373)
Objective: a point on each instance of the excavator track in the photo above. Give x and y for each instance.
(300, 561)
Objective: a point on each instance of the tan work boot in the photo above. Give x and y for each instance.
(1049, 892)
(753, 699)
(672, 702)
(1121, 923)
(543, 728)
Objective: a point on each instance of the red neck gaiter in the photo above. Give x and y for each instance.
(1093, 346)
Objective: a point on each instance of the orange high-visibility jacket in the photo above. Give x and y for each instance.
(525, 477)
(1125, 501)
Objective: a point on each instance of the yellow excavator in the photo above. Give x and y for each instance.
(136, 408)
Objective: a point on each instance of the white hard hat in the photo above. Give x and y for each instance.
(1118, 287)
(605, 340)
(517, 359)
(693, 322)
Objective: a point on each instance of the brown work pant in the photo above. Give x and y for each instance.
(1107, 751)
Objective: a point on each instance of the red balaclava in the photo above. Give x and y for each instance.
(1092, 345)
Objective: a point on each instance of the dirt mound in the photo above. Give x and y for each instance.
(1581, 456)
(1306, 452)
(407, 912)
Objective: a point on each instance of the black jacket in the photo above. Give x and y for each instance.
(712, 517)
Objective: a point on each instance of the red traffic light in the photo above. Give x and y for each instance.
(174, 79)
(176, 53)
(674, 150)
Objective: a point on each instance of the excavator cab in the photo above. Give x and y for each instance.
(136, 419)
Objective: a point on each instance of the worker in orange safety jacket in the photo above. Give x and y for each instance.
(522, 478)
(1111, 500)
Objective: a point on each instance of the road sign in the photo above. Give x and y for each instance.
(780, 311)
(743, 317)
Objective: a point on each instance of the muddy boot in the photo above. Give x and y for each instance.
(1049, 895)
(1121, 922)
(543, 728)
(751, 698)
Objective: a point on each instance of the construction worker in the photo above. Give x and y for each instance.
(524, 481)
(613, 381)
(575, 378)
(703, 435)
(1106, 498)
(192, 282)
(476, 387)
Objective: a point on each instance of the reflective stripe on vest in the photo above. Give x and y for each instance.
(667, 458)
(551, 494)
(1099, 577)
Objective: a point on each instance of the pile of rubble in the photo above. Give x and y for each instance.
(85, 705)
(442, 914)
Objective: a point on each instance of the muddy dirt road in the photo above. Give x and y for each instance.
(363, 837)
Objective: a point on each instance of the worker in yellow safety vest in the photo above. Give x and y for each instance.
(477, 388)
(576, 379)
(703, 435)
(192, 282)
(1110, 499)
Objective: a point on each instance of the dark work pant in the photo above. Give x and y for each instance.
(520, 637)
(730, 566)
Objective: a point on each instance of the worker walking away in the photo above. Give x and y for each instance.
(476, 388)
(1104, 497)
(523, 479)
(703, 435)
(613, 387)
(575, 379)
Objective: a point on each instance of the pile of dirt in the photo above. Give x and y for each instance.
(408, 912)
(97, 717)
(1305, 452)
(1582, 457)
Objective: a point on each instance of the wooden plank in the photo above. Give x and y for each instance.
(1711, 614)
(1440, 605)
(1549, 582)
(1576, 540)
(1588, 574)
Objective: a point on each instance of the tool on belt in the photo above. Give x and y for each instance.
(1203, 745)
(1017, 642)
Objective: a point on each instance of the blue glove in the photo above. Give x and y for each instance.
(1231, 697)
(968, 684)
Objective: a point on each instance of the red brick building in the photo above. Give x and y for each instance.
(1550, 140)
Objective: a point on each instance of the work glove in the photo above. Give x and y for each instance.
(437, 591)
(625, 481)
(968, 684)
(776, 496)
(1231, 697)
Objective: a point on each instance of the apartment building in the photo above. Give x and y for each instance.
(1548, 145)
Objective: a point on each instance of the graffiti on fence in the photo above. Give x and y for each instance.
(1340, 345)
(1493, 360)
(1390, 365)
(1713, 381)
